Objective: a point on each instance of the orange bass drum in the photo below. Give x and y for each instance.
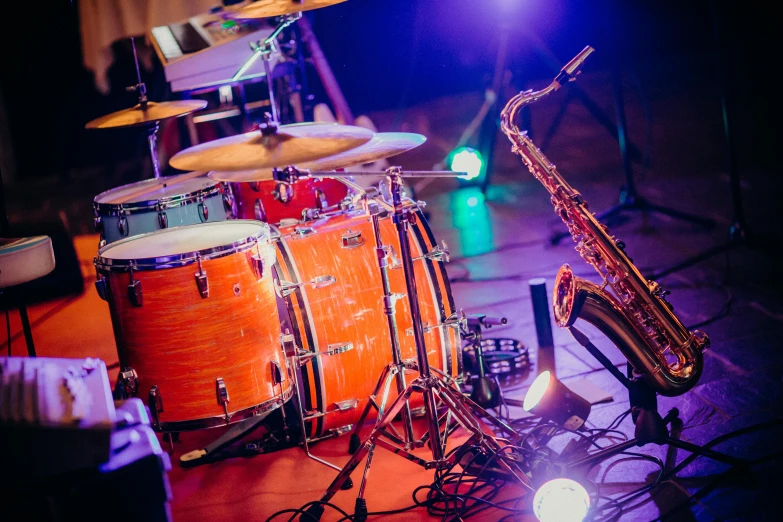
(336, 312)
(274, 201)
(195, 318)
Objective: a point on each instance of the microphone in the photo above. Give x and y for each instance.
(485, 321)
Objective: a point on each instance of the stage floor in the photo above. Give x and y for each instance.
(498, 242)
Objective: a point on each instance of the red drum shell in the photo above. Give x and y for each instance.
(305, 194)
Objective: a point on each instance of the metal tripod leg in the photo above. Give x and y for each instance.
(300, 411)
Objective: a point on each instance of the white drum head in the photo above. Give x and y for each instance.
(204, 238)
(156, 189)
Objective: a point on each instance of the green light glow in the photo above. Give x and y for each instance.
(470, 217)
(466, 159)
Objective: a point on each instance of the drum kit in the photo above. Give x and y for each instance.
(264, 273)
(266, 279)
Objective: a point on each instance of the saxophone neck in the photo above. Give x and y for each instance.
(568, 73)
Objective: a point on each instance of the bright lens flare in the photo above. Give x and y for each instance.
(467, 160)
(561, 500)
(536, 391)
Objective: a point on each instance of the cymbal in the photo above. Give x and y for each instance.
(289, 145)
(153, 112)
(270, 8)
(382, 145)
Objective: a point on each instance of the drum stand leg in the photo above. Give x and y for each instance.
(396, 369)
(300, 410)
(432, 386)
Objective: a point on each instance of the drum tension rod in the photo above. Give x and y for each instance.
(222, 396)
(201, 279)
(134, 290)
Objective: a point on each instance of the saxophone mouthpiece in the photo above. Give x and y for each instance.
(570, 70)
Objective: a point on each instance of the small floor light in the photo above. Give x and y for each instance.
(561, 500)
(553, 401)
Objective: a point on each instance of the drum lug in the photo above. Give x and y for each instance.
(278, 377)
(288, 343)
(255, 186)
(222, 396)
(203, 211)
(283, 192)
(228, 204)
(163, 220)
(134, 290)
(122, 225)
(201, 279)
(320, 199)
(258, 210)
(453, 321)
(100, 286)
(438, 253)
(300, 232)
(342, 430)
(348, 404)
(287, 288)
(155, 403)
(127, 383)
(352, 239)
(258, 266)
(334, 349)
(97, 223)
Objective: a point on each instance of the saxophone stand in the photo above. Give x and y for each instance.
(429, 384)
(650, 426)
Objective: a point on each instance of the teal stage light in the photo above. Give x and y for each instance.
(466, 159)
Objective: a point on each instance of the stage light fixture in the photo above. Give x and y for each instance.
(561, 500)
(466, 159)
(553, 401)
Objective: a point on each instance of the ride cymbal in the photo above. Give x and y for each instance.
(382, 145)
(288, 145)
(152, 112)
(270, 8)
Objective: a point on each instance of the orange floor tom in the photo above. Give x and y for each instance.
(195, 318)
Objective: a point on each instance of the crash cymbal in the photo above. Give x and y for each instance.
(288, 145)
(152, 113)
(382, 145)
(270, 8)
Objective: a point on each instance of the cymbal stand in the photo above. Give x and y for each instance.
(264, 49)
(396, 369)
(429, 384)
(152, 129)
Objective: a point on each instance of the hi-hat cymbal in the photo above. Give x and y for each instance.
(383, 145)
(270, 8)
(289, 145)
(151, 113)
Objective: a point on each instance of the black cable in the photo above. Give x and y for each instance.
(303, 511)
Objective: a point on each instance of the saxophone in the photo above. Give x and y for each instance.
(635, 315)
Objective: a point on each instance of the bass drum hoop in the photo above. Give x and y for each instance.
(220, 420)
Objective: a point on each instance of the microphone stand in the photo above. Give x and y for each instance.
(740, 233)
